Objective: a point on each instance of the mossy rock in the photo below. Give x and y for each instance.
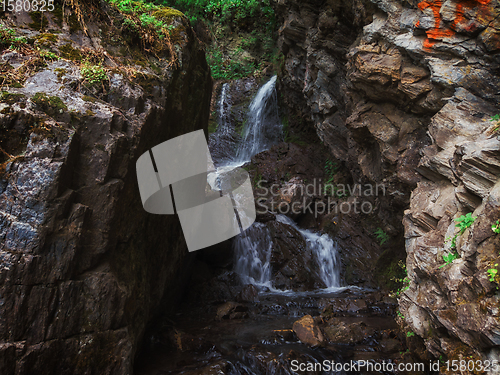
(167, 13)
(11, 98)
(60, 72)
(69, 53)
(178, 35)
(45, 39)
(51, 105)
(147, 82)
(88, 98)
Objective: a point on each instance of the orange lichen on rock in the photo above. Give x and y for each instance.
(438, 32)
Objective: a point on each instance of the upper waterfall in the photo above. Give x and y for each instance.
(263, 127)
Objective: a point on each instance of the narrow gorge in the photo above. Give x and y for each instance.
(369, 129)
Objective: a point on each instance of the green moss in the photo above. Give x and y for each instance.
(166, 13)
(39, 20)
(89, 113)
(89, 98)
(45, 39)
(14, 84)
(60, 73)
(68, 52)
(10, 98)
(51, 105)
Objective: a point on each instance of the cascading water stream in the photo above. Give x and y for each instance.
(263, 128)
(253, 248)
(224, 110)
(324, 251)
(253, 256)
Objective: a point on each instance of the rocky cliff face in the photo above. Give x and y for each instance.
(83, 267)
(403, 94)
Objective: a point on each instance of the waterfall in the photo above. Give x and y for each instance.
(263, 127)
(253, 255)
(224, 110)
(324, 251)
(253, 248)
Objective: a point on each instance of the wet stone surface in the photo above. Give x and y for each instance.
(270, 336)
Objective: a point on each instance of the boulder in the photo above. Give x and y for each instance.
(308, 331)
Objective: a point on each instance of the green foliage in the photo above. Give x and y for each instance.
(404, 281)
(410, 334)
(47, 55)
(496, 227)
(465, 222)
(226, 10)
(331, 169)
(448, 258)
(150, 15)
(228, 55)
(493, 272)
(400, 314)
(8, 38)
(93, 74)
(382, 237)
(496, 119)
(225, 68)
(453, 240)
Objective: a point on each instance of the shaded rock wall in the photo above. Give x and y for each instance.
(83, 267)
(403, 93)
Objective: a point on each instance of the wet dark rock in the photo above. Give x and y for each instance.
(344, 305)
(292, 261)
(83, 267)
(390, 345)
(249, 294)
(232, 310)
(341, 332)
